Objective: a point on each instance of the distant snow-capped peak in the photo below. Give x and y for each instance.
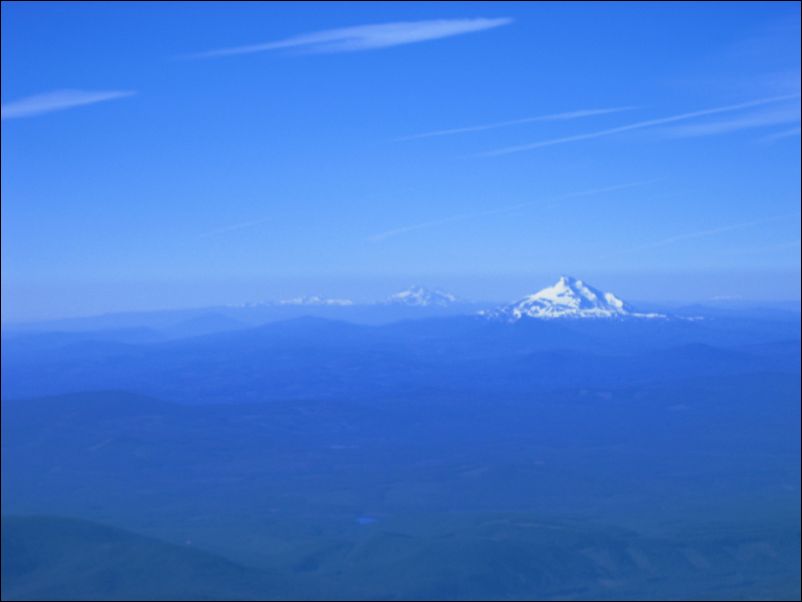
(419, 296)
(315, 300)
(568, 298)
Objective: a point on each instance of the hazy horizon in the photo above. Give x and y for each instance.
(700, 287)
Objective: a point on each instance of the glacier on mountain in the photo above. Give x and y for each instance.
(568, 298)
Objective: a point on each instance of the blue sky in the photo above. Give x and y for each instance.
(187, 154)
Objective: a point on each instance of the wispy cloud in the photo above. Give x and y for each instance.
(783, 134)
(500, 124)
(742, 122)
(637, 125)
(365, 37)
(234, 227)
(771, 248)
(58, 100)
(502, 210)
(712, 232)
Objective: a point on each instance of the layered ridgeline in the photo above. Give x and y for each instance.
(569, 334)
(568, 298)
(410, 303)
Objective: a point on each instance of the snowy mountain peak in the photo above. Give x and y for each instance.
(569, 298)
(419, 296)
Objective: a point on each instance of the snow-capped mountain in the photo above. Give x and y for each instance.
(569, 298)
(419, 296)
(315, 300)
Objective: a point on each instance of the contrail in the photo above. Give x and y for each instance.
(635, 126)
(499, 210)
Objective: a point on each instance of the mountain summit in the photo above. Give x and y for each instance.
(419, 296)
(569, 298)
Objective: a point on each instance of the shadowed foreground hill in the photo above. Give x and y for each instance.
(498, 556)
(66, 559)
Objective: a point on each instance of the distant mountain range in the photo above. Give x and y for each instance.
(568, 298)
(414, 296)
(309, 357)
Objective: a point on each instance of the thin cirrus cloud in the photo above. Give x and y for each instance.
(782, 134)
(364, 37)
(712, 232)
(501, 210)
(743, 122)
(637, 126)
(565, 116)
(58, 100)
